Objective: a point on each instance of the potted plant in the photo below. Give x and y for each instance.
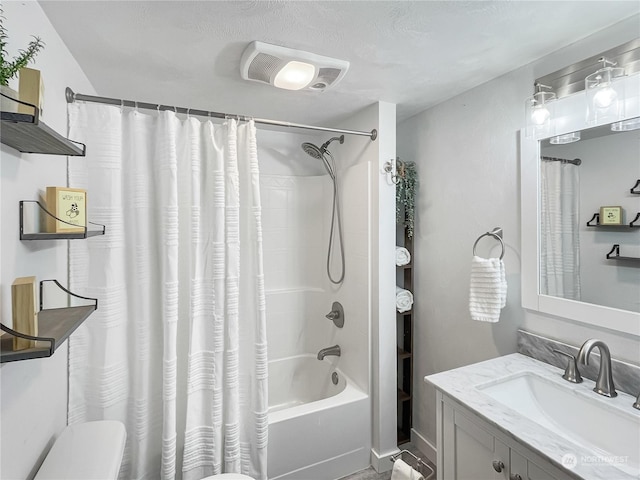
(10, 67)
(406, 194)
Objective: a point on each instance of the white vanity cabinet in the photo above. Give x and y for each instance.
(471, 449)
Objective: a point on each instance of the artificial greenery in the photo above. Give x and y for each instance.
(9, 68)
(406, 194)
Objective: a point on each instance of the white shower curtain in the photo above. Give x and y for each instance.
(560, 236)
(177, 348)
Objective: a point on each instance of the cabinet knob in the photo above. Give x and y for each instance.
(515, 476)
(498, 466)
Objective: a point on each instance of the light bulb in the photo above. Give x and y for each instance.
(294, 75)
(540, 115)
(604, 97)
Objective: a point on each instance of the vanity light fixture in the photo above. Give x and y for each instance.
(290, 69)
(605, 98)
(626, 125)
(566, 138)
(539, 111)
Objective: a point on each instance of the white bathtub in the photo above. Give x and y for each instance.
(317, 430)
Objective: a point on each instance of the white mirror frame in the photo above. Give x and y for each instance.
(570, 116)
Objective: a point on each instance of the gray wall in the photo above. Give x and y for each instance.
(467, 152)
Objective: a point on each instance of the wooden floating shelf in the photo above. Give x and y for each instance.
(53, 235)
(27, 134)
(54, 327)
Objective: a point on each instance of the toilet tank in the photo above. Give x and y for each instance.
(86, 451)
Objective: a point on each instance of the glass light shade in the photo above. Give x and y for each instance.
(295, 75)
(626, 125)
(538, 114)
(605, 95)
(566, 138)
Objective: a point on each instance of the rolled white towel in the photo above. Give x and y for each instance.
(404, 300)
(403, 471)
(488, 289)
(403, 257)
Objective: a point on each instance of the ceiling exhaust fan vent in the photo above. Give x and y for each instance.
(263, 67)
(269, 64)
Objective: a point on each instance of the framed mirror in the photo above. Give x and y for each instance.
(565, 269)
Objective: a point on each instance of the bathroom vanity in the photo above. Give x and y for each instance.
(516, 418)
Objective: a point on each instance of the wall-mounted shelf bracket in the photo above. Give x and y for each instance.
(635, 190)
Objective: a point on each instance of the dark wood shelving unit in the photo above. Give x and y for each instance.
(28, 134)
(405, 352)
(54, 327)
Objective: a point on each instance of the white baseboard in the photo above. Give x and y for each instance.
(424, 445)
(382, 463)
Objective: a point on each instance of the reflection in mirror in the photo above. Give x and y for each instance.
(576, 180)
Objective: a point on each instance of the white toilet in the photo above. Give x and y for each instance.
(86, 451)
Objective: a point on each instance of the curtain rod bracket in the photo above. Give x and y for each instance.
(70, 96)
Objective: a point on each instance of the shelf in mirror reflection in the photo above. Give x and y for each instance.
(595, 222)
(614, 254)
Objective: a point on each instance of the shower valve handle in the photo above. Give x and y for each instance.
(336, 315)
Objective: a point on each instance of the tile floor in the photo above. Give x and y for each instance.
(371, 474)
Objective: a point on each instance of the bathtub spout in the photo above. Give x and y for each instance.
(335, 350)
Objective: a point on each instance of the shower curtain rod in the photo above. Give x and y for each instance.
(72, 97)
(575, 161)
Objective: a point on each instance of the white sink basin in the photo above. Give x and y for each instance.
(612, 434)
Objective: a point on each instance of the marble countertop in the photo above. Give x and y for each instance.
(460, 384)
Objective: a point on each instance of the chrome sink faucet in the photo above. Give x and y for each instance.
(604, 382)
(335, 350)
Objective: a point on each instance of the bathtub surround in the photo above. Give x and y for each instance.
(626, 376)
(178, 349)
(307, 438)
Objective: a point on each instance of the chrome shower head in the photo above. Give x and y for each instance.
(313, 151)
(317, 152)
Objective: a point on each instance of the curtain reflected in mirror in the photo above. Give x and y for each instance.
(559, 235)
(576, 180)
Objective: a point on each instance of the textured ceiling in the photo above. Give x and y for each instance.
(412, 53)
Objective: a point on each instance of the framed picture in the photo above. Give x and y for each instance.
(610, 215)
(68, 205)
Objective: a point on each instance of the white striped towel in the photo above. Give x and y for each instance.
(404, 300)
(488, 289)
(403, 257)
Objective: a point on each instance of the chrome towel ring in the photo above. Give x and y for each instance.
(495, 233)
